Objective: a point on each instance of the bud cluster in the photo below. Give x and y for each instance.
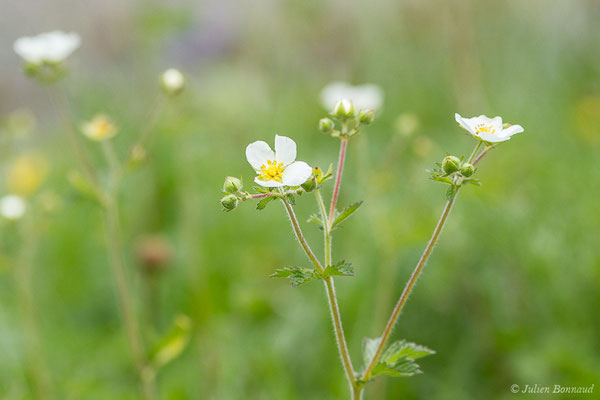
(454, 171)
(231, 188)
(349, 119)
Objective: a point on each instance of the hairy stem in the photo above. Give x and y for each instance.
(338, 179)
(417, 271)
(330, 289)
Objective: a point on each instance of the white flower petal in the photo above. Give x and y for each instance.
(496, 123)
(285, 150)
(465, 123)
(368, 96)
(296, 174)
(258, 153)
(492, 137)
(52, 46)
(512, 130)
(269, 183)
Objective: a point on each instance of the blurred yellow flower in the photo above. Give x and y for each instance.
(99, 128)
(587, 118)
(26, 174)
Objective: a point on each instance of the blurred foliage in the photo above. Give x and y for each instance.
(510, 294)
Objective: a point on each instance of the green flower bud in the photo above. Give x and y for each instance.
(229, 202)
(467, 170)
(365, 117)
(232, 185)
(326, 125)
(450, 164)
(343, 109)
(310, 184)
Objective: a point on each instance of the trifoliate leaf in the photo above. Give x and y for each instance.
(346, 213)
(263, 203)
(297, 275)
(342, 268)
(173, 343)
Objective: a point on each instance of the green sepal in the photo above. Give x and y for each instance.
(173, 343)
(342, 268)
(290, 199)
(263, 202)
(297, 275)
(346, 213)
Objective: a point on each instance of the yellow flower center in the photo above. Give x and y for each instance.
(271, 172)
(484, 129)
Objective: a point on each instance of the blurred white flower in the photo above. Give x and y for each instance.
(278, 168)
(12, 207)
(51, 47)
(366, 96)
(172, 81)
(99, 128)
(488, 129)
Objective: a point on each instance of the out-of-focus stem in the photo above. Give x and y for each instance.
(60, 104)
(41, 382)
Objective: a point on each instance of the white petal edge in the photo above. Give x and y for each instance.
(464, 123)
(285, 150)
(296, 174)
(512, 130)
(492, 137)
(257, 154)
(268, 183)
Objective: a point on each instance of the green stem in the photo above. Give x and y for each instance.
(338, 178)
(330, 289)
(408, 288)
(418, 269)
(41, 382)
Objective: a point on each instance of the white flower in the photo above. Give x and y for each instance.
(488, 129)
(52, 47)
(172, 80)
(12, 207)
(278, 168)
(99, 128)
(366, 96)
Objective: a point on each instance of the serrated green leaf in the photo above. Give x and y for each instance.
(406, 368)
(342, 268)
(263, 203)
(472, 181)
(297, 275)
(316, 219)
(173, 343)
(346, 213)
(404, 349)
(369, 347)
(261, 189)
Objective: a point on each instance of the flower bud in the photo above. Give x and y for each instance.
(99, 128)
(229, 202)
(153, 253)
(365, 117)
(326, 125)
(232, 185)
(450, 164)
(343, 109)
(172, 81)
(310, 184)
(467, 170)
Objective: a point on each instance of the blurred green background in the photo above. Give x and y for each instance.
(510, 295)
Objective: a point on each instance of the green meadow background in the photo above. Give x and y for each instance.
(510, 296)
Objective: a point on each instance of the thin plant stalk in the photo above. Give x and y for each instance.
(338, 179)
(333, 304)
(417, 272)
(23, 275)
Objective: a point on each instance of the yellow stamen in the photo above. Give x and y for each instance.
(271, 172)
(484, 129)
